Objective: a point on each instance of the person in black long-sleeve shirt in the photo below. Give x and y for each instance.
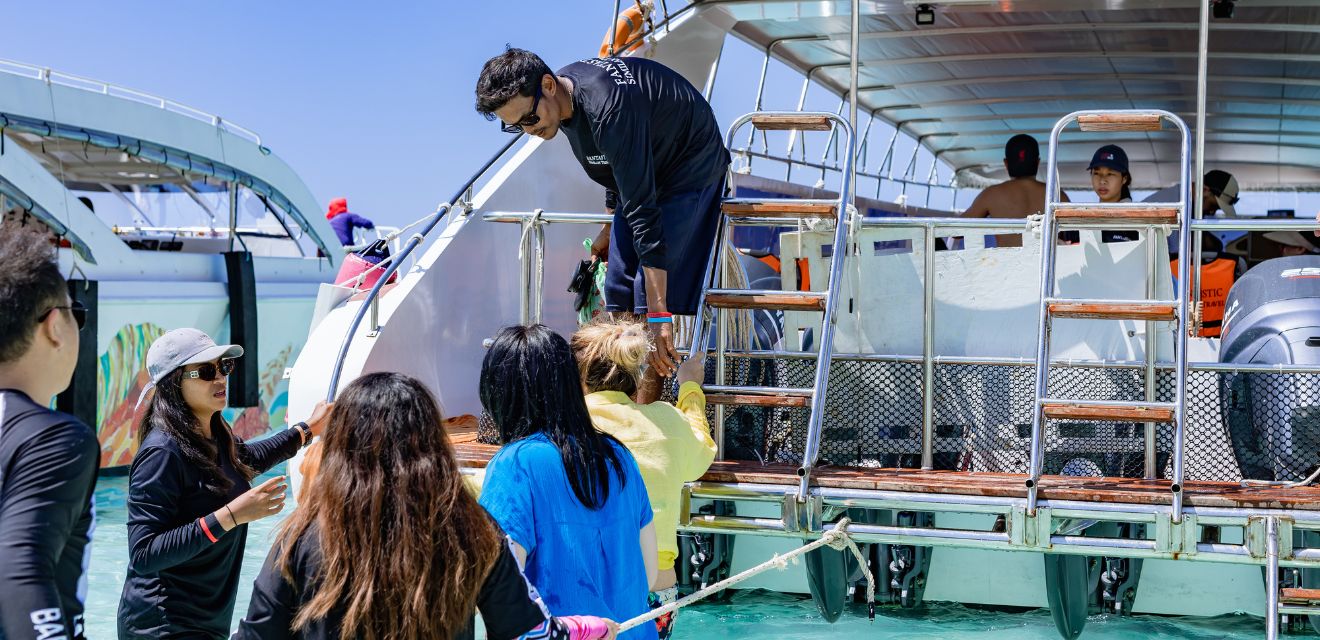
(189, 493)
(649, 137)
(410, 551)
(48, 459)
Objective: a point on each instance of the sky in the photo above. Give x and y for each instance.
(372, 101)
(369, 101)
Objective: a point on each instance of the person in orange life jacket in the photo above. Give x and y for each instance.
(344, 221)
(1111, 181)
(1218, 273)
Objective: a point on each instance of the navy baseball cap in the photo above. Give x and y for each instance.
(1111, 156)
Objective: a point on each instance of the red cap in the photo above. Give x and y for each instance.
(337, 206)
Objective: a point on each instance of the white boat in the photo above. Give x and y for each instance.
(936, 435)
(148, 198)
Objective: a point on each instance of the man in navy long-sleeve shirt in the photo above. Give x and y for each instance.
(649, 137)
(48, 460)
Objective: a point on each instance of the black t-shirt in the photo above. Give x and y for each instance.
(183, 568)
(48, 463)
(509, 605)
(645, 133)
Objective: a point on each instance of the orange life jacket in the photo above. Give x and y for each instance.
(630, 24)
(1216, 280)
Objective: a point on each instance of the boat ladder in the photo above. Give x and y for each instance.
(715, 300)
(1148, 217)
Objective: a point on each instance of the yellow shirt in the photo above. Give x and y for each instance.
(672, 445)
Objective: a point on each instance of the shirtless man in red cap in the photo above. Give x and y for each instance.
(1019, 197)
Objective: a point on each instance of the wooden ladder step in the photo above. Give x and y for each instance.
(782, 208)
(1113, 310)
(1299, 596)
(797, 398)
(1119, 122)
(791, 122)
(1074, 410)
(766, 299)
(1121, 215)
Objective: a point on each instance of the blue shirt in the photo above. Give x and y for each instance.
(582, 561)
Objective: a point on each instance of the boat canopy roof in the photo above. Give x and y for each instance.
(989, 69)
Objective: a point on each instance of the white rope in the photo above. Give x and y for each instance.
(836, 538)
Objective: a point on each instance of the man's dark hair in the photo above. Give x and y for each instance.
(1022, 156)
(30, 284)
(516, 72)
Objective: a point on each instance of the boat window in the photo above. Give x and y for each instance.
(152, 203)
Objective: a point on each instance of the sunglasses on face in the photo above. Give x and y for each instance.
(76, 308)
(207, 371)
(528, 120)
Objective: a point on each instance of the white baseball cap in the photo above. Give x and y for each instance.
(182, 347)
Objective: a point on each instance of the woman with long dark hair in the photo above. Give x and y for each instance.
(570, 497)
(389, 544)
(190, 495)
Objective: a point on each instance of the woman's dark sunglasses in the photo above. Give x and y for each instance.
(528, 120)
(76, 308)
(207, 370)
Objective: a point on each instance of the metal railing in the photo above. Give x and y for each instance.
(371, 303)
(50, 76)
(929, 229)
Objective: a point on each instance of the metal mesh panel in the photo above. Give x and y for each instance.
(1269, 421)
(1269, 427)
(1262, 426)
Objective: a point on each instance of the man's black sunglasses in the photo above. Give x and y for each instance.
(528, 120)
(76, 308)
(208, 370)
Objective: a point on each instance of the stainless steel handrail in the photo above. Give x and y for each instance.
(370, 302)
(1052, 193)
(842, 230)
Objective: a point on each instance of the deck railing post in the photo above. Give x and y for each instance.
(1153, 237)
(928, 350)
(1271, 578)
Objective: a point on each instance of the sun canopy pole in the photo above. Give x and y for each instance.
(852, 82)
(1193, 196)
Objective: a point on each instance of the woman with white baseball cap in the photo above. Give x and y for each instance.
(190, 495)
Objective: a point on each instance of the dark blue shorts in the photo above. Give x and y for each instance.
(689, 220)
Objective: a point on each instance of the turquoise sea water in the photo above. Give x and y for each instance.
(747, 614)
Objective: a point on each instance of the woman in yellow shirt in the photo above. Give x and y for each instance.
(672, 444)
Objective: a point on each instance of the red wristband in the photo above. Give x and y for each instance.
(659, 314)
(207, 530)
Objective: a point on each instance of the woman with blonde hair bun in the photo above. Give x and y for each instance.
(671, 444)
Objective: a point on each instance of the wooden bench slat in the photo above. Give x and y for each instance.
(791, 122)
(747, 400)
(1064, 411)
(1114, 311)
(1134, 215)
(785, 209)
(1120, 122)
(786, 301)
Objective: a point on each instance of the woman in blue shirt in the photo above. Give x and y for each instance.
(570, 497)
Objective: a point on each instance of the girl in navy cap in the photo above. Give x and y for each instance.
(1111, 181)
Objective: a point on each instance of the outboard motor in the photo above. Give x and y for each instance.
(1272, 316)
